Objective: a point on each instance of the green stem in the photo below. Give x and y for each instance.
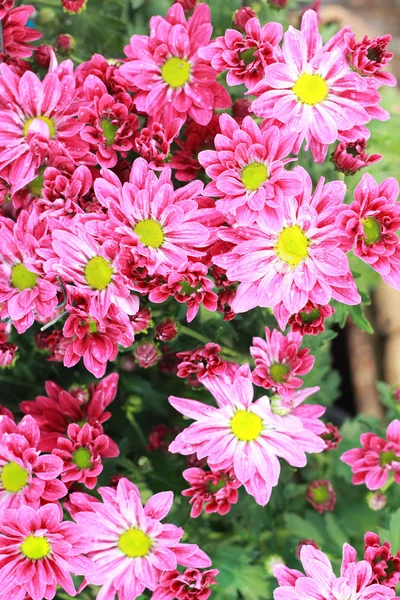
(387, 485)
(204, 340)
(138, 430)
(341, 176)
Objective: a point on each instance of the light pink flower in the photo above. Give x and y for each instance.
(215, 491)
(190, 585)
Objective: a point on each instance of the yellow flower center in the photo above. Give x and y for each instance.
(134, 543)
(278, 372)
(372, 230)
(82, 458)
(311, 89)
(23, 279)
(109, 130)
(292, 246)
(150, 233)
(35, 548)
(246, 426)
(176, 72)
(254, 175)
(49, 122)
(13, 477)
(98, 273)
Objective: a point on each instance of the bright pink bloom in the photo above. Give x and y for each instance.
(190, 585)
(5, 6)
(74, 6)
(321, 495)
(279, 361)
(38, 551)
(376, 459)
(204, 361)
(244, 435)
(371, 223)
(309, 321)
(247, 169)
(27, 477)
(154, 142)
(8, 355)
(242, 15)
(129, 545)
(146, 354)
(141, 321)
(385, 566)
(370, 56)
(65, 193)
(314, 91)
(294, 258)
(215, 491)
(350, 157)
(331, 436)
(16, 34)
(173, 80)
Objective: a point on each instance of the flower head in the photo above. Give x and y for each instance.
(192, 584)
(215, 491)
(17, 35)
(331, 436)
(385, 565)
(8, 355)
(242, 15)
(370, 56)
(308, 321)
(376, 500)
(321, 495)
(146, 354)
(204, 361)
(74, 6)
(350, 157)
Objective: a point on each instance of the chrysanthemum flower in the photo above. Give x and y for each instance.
(190, 585)
(153, 143)
(385, 565)
(146, 354)
(331, 436)
(167, 330)
(350, 157)
(370, 56)
(74, 6)
(371, 222)
(376, 459)
(141, 321)
(308, 321)
(279, 361)
(314, 91)
(39, 551)
(204, 362)
(247, 169)
(5, 6)
(173, 80)
(321, 495)
(8, 355)
(215, 491)
(242, 15)
(129, 545)
(295, 258)
(16, 35)
(244, 435)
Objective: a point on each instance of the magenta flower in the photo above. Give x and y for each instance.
(247, 169)
(38, 551)
(190, 585)
(377, 459)
(369, 57)
(350, 157)
(63, 194)
(331, 436)
(314, 91)
(17, 35)
(385, 565)
(203, 362)
(279, 361)
(296, 257)
(129, 545)
(215, 491)
(173, 80)
(309, 321)
(5, 6)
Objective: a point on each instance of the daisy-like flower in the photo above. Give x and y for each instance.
(295, 258)
(370, 56)
(385, 565)
(38, 552)
(173, 80)
(16, 34)
(26, 476)
(321, 495)
(129, 545)
(247, 169)
(190, 585)
(321, 583)
(279, 361)
(244, 435)
(215, 491)
(376, 459)
(314, 91)
(203, 362)
(309, 321)
(371, 223)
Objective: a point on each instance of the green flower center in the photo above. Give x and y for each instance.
(13, 477)
(278, 372)
(82, 458)
(311, 89)
(176, 72)
(187, 289)
(372, 230)
(98, 273)
(23, 279)
(387, 458)
(134, 543)
(254, 175)
(248, 56)
(292, 246)
(109, 130)
(35, 548)
(308, 318)
(150, 233)
(320, 494)
(35, 187)
(246, 426)
(49, 122)
(214, 488)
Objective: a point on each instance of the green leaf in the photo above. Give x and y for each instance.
(335, 530)
(394, 532)
(302, 529)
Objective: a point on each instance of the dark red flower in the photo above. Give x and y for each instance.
(215, 491)
(74, 6)
(321, 495)
(350, 157)
(65, 43)
(167, 330)
(242, 15)
(201, 361)
(331, 436)
(310, 320)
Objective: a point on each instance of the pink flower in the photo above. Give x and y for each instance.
(350, 157)
(385, 566)
(141, 321)
(278, 3)
(376, 459)
(5, 6)
(242, 15)
(43, 55)
(331, 436)
(279, 361)
(26, 477)
(321, 495)
(371, 222)
(154, 142)
(39, 551)
(64, 191)
(8, 355)
(245, 58)
(294, 258)
(129, 545)
(65, 43)
(305, 543)
(15, 33)
(190, 585)
(309, 321)
(167, 330)
(187, 4)
(369, 57)
(173, 80)
(244, 435)
(74, 6)
(376, 500)
(146, 354)
(215, 491)
(314, 91)
(247, 169)
(204, 362)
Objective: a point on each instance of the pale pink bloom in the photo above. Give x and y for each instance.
(16, 34)
(294, 258)
(370, 56)
(129, 545)
(314, 91)
(39, 551)
(190, 585)
(377, 459)
(244, 435)
(173, 80)
(279, 361)
(215, 491)
(247, 169)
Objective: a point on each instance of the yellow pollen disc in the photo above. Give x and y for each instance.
(49, 122)
(23, 279)
(246, 426)
(311, 89)
(35, 548)
(98, 273)
(254, 175)
(134, 543)
(176, 72)
(150, 233)
(292, 246)
(278, 372)
(13, 477)
(372, 230)
(81, 458)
